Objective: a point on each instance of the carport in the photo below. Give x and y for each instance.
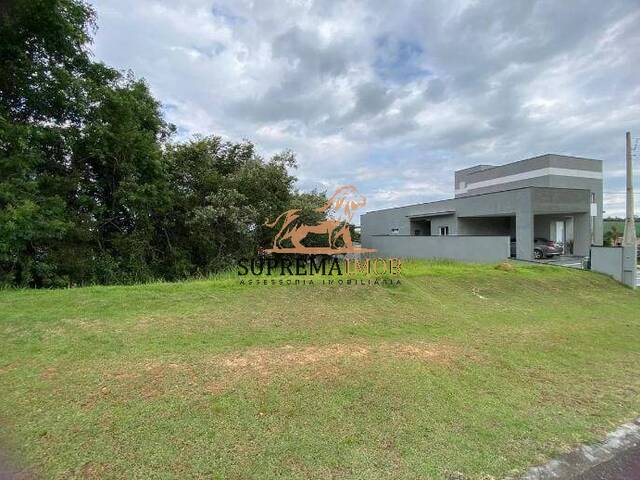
(528, 213)
(570, 229)
(562, 215)
(558, 228)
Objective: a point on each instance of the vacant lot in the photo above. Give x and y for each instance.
(461, 368)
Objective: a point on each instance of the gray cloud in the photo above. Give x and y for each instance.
(392, 95)
(305, 52)
(435, 90)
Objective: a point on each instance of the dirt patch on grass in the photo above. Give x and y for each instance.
(287, 356)
(49, 373)
(93, 470)
(7, 368)
(505, 267)
(318, 363)
(430, 352)
(267, 360)
(218, 373)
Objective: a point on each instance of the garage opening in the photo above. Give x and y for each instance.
(493, 225)
(420, 227)
(503, 225)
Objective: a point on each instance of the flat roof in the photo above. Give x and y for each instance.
(492, 167)
(456, 199)
(434, 214)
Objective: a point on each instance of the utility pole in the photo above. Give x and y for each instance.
(629, 262)
(629, 238)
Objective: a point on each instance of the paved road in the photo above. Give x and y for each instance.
(624, 466)
(563, 261)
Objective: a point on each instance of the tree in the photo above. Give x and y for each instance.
(221, 194)
(43, 62)
(91, 188)
(612, 236)
(118, 162)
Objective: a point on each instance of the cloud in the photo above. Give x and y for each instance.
(393, 96)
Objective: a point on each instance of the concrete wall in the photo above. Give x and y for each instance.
(582, 239)
(465, 248)
(617, 262)
(630, 266)
(541, 226)
(607, 260)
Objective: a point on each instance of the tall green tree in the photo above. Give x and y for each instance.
(221, 195)
(91, 188)
(118, 165)
(43, 64)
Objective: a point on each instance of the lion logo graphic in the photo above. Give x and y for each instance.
(342, 204)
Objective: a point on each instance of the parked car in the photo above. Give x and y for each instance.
(542, 248)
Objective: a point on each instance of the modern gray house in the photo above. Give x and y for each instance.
(555, 197)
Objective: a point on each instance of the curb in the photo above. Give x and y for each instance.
(587, 457)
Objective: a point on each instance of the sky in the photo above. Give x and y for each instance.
(391, 96)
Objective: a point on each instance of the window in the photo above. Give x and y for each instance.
(395, 231)
(444, 230)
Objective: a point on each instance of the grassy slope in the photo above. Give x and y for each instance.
(461, 368)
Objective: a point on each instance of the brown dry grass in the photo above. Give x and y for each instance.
(218, 373)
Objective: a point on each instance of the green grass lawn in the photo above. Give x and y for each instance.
(461, 368)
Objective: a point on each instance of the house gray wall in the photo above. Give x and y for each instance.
(589, 173)
(489, 214)
(466, 248)
(491, 201)
(381, 222)
(580, 173)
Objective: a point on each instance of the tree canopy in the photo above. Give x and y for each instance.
(93, 187)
